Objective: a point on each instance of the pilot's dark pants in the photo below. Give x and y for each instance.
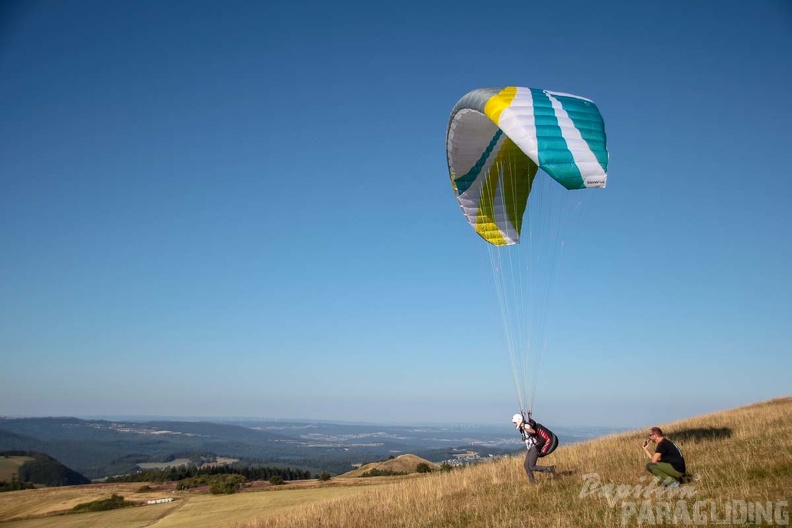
(530, 464)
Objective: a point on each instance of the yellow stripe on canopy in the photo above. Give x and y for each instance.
(499, 102)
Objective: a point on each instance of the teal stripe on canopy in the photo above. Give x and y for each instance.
(587, 119)
(554, 155)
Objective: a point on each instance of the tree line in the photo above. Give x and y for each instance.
(15, 484)
(175, 474)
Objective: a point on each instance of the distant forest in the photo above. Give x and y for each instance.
(15, 485)
(175, 474)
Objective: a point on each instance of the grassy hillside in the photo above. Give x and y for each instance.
(9, 466)
(40, 469)
(400, 464)
(44, 508)
(741, 457)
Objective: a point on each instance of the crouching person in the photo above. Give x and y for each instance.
(667, 462)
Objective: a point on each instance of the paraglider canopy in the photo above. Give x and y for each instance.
(497, 140)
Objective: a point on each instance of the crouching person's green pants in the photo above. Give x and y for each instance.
(663, 471)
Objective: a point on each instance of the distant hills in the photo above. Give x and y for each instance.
(36, 468)
(103, 448)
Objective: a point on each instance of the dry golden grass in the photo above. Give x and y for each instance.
(742, 454)
(46, 501)
(40, 508)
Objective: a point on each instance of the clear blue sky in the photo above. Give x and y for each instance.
(243, 209)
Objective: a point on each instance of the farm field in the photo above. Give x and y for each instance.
(164, 465)
(183, 462)
(36, 508)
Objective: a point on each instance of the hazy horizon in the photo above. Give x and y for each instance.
(340, 421)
